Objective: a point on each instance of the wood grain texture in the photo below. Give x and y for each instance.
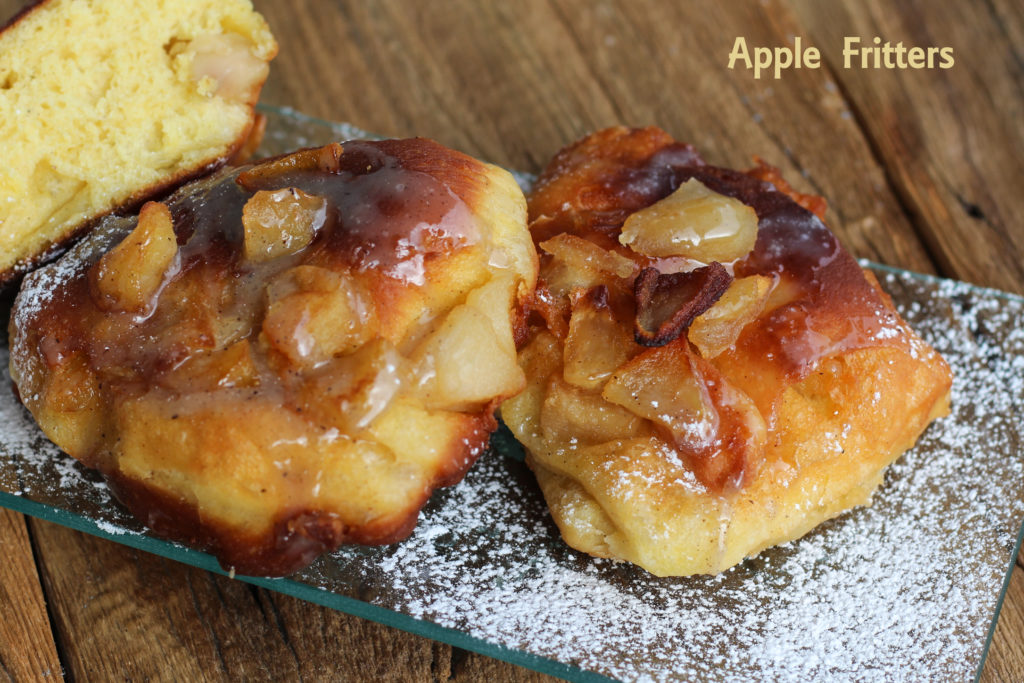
(1006, 656)
(950, 139)
(27, 650)
(518, 81)
(123, 614)
(902, 158)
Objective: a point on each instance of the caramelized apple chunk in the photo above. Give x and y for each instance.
(737, 454)
(267, 175)
(73, 406)
(718, 328)
(281, 222)
(694, 222)
(576, 263)
(666, 303)
(449, 373)
(228, 368)
(571, 415)
(494, 300)
(314, 313)
(128, 277)
(663, 385)
(349, 392)
(236, 367)
(584, 255)
(596, 343)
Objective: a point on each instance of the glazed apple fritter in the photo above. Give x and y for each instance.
(289, 355)
(709, 372)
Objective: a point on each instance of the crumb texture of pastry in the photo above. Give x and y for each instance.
(286, 356)
(709, 372)
(103, 104)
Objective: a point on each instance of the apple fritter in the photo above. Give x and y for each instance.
(106, 104)
(709, 372)
(290, 355)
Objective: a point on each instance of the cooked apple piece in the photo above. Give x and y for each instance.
(266, 174)
(227, 368)
(737, 456)
(543, 356)
(234, 366)
(72, 394)
(554, 309)
(582, 254)
(577, 263)
(314, 313)
(597, 344)
(448, 367)
(562, 280)
(130, 275)
(231, 328)
(494, 300)
(718, 328)
(786, 290)
(666, 303)
(281, 222)
(662, 385)
(190, 324)
(349, 392)
(694, 222)
(572, 416)
(224, 64)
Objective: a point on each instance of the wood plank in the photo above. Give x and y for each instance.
(125, 614)
(518, 81)
(27, 648)
(950, 139)
(1006, 656)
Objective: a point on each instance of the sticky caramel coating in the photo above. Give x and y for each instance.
(775, 406)
(321, 342)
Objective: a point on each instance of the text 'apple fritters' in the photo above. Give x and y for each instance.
(290, 355)
(709, 372)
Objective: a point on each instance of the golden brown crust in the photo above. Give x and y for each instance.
(297, 537)
(23, 12)
(771, 174)
(590, 187)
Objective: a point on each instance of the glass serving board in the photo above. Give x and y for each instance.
(907, 589)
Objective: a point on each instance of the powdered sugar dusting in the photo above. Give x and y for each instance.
(903, 590)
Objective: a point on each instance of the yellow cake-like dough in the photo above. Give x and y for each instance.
(105, 103)
(686, 439)
(290, 355)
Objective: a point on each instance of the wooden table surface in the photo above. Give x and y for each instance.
(922, 169)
